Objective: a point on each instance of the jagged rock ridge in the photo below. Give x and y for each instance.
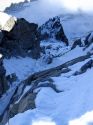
(24, 39)
(53, 29)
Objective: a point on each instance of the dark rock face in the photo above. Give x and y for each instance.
(3, 81)
(11, 78)
(84, 68)
(24, 104)
(88, 40)
(48, 59)
(1, 36)
(84, 42)
(53, 29)
(23, 39)
(77, 43)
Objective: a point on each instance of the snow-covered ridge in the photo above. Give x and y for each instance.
(75, 24)
(6, 3)
(70, 73)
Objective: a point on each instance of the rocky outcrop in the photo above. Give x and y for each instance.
(11, 78)
(22, 40)
(54, 72)
(28, 99)
(26, 103)
(88, 39)
(84, 42)
(84, 68)
(3, 81)
(38, 80)
(76, 43)
(1, 36)
(17, 102)
(53, 29)
(48, 58)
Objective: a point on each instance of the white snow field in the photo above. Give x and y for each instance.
(73, 106)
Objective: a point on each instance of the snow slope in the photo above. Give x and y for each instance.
(73, 106)
(65, 108)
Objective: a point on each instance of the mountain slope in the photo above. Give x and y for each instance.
(75, 24)
(58, 93)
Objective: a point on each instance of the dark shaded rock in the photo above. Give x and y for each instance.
(84, 68)
(77, 43)
(48, 59)
(49, 47)
(3, 81)
(88, 40)
(22, 38)
(28, 99)
(51, 85)
(43, 50)
(11, 78)
(53, 29)
(84, 42)
(4, 116)
(76, 73)
(27, 102)
(4, 52)
(56, 71)
(1, 36)
(24, 104)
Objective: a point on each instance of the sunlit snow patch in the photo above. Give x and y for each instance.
(1, 55)
(86, 119)
(43, 121)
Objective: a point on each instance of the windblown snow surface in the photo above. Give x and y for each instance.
(73, 106)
